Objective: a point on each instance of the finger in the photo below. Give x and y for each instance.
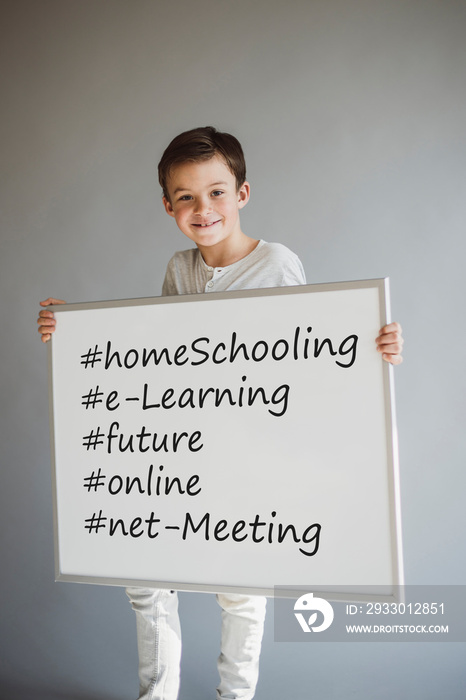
(45, 315)
(46, 330)
(50, 301)
(389, 334)
(391, 328)
(46, 326)
(389, 337)
(391, 342)
(45, 338)
(392, 359)
(391, 349)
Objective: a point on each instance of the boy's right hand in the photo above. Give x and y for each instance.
(47, 320)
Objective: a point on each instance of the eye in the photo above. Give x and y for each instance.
(217, 193)
(184, 198)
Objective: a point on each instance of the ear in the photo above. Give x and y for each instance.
(168, 207)
(243, 194)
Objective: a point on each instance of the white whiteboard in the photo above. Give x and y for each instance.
(236, 441)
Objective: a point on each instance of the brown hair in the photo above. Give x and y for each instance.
(202, 144)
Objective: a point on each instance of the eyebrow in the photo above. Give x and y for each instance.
(186, 189)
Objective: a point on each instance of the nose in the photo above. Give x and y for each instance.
(202, 206)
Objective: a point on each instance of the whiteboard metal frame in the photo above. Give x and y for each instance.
(394, 590)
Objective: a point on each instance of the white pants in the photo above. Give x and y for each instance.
(159, 643)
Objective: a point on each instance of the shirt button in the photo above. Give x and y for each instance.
(210, 284)
(210, 269)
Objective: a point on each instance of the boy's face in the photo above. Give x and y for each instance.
(205, 203)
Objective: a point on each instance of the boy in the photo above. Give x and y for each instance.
(203, 178)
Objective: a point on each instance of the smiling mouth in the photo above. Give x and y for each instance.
(211, 223)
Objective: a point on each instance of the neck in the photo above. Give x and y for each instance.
(226, 253)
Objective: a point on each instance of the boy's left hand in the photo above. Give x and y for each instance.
(390, 343)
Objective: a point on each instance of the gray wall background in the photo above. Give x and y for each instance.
(352, 115)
